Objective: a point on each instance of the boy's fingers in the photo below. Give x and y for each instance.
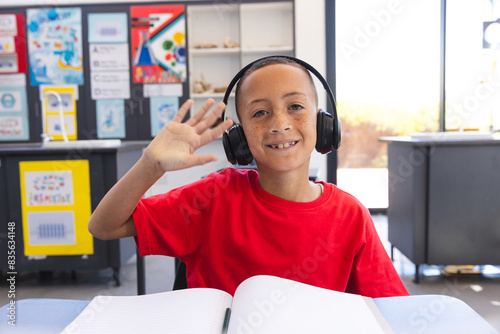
(217, 112)
(181, 113)
(216, 132)
(198, 160)
(205, 158)
(200, 113)
(211, 118)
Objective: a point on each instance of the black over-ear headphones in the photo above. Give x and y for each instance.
(327, 128)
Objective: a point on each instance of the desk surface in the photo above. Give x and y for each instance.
(446, 138)
(415, 314)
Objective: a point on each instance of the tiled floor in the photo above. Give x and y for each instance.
(481, 292)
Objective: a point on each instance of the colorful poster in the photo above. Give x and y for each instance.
(12, 44)
(57, 100)
(110, 118)
(55, 46)
(158, 43)
(14, 124)
(107, 28)
(162, 109)
(55, 215)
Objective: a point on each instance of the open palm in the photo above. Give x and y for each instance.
(174, 146)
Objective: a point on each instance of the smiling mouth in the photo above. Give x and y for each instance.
(283, 145)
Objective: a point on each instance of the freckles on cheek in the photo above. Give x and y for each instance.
(305, 120)
(306, 123)
(254, 130)
(311, 126)
(251, 134)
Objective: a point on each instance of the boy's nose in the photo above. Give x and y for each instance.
(280, 123)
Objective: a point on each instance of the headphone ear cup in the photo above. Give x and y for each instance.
(327, 132)
(236, 146)
(228, 148)
(324, 132)
(336, 133)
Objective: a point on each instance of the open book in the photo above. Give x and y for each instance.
(261, 304)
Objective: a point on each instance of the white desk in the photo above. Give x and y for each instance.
(427, 314)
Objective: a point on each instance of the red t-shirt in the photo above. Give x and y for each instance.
(226, 228)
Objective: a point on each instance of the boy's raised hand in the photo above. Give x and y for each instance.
(174, 146)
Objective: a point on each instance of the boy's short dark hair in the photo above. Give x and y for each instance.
(271, 61)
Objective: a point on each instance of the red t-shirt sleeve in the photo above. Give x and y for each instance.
(373, 273)
(172, 224)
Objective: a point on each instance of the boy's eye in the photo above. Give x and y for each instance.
(259, 113)
(296, 107)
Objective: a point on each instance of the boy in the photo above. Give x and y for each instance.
(239, 223)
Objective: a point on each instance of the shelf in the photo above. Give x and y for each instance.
(87, 144)
(209, 95)
(214, 51)
(268, 49)
(258, 8)
(247, 50)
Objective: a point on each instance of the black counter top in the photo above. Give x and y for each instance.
(37, 148)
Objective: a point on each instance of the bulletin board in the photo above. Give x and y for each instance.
(56, 207)
(127, 64)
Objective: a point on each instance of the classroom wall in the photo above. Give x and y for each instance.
(309, 46)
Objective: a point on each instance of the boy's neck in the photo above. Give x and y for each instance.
(292, 185)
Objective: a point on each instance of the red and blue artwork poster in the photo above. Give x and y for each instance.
(158, 43)
(13, 57)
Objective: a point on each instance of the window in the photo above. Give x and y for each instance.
(472, 65)
(387, 84)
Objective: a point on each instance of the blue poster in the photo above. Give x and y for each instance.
(162, 109)
(14, 124)
(55, 46)
(110, 118)
(108, 28)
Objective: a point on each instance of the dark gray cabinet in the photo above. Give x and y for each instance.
(444, 200)
(106, 166)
